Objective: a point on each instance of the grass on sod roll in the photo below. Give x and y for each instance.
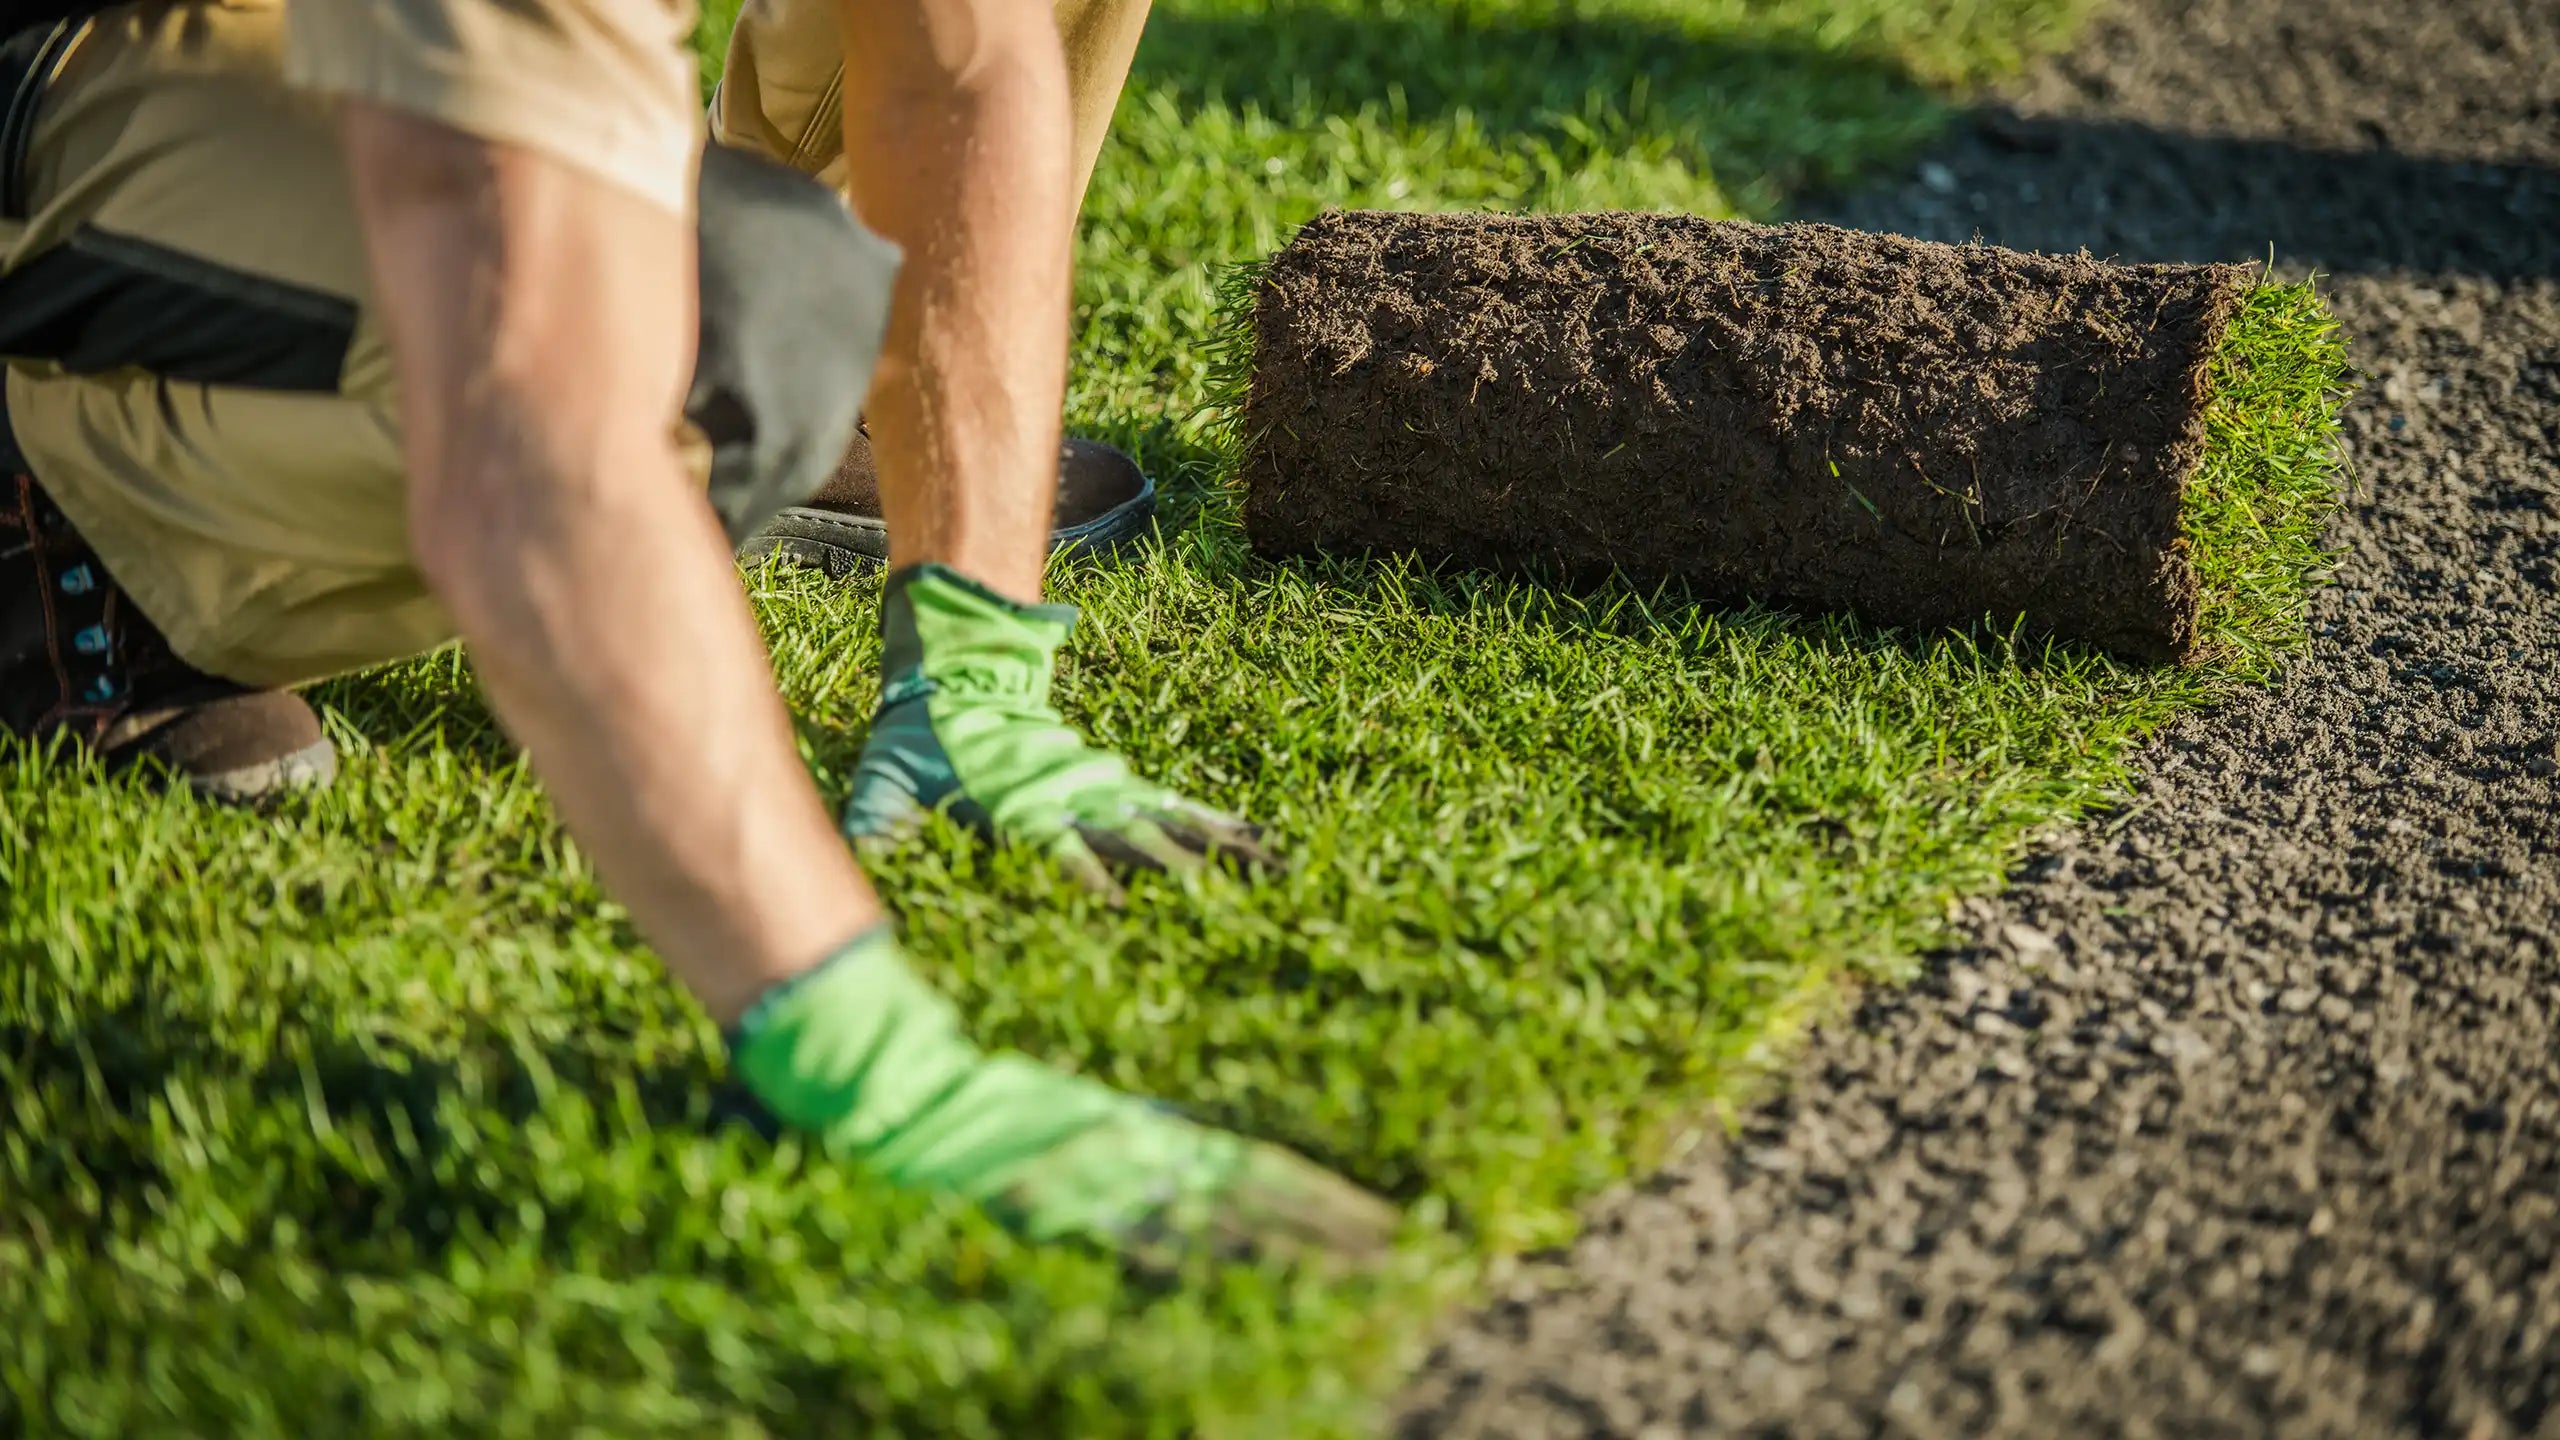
(371, 1116)
(2267, 483)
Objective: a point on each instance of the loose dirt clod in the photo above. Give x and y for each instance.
(1923, 434)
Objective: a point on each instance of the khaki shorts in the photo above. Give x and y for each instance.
(782, 89)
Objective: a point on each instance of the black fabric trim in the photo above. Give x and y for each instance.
(16, 15)
(101, 301)
(12, 459)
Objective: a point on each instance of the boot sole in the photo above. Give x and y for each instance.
(841, 544)
(308, 768)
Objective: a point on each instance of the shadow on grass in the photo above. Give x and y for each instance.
(1620, 607)
(416, 1181)
(1772, 113)
(1197, 492)
(434, 702)
(402, 704)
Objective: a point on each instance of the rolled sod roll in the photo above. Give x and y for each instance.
(1921, 434)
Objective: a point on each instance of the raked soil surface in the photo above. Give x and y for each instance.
(2241, 1113)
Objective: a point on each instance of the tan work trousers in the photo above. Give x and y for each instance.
(226, 438)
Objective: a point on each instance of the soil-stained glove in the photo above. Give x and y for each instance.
(965, 725)
(869, 1060)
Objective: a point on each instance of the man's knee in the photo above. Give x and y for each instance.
(795, 306)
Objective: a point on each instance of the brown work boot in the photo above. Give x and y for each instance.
(79, 659)
(1104, 501)
(242, 748)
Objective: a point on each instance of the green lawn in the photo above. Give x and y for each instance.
(370, 1116)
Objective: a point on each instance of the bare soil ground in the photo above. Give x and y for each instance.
(2241, 1115)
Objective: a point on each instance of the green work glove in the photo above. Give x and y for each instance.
(965, 725)
(864, 1056)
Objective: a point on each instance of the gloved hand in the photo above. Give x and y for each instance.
(863, 1055)
(965, 724)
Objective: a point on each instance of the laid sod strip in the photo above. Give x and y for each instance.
(1920, 434)
(369, 1107)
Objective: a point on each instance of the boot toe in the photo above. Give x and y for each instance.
(1105, 501)
(241, 748)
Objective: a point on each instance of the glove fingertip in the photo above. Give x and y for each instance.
(1122, 848)
(1213, 835)
(869, 828)
(1087, 869)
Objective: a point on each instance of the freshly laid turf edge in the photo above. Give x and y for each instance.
(1920, 434)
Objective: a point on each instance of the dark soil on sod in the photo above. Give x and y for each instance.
(2241, 1113)
(1923, 434)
